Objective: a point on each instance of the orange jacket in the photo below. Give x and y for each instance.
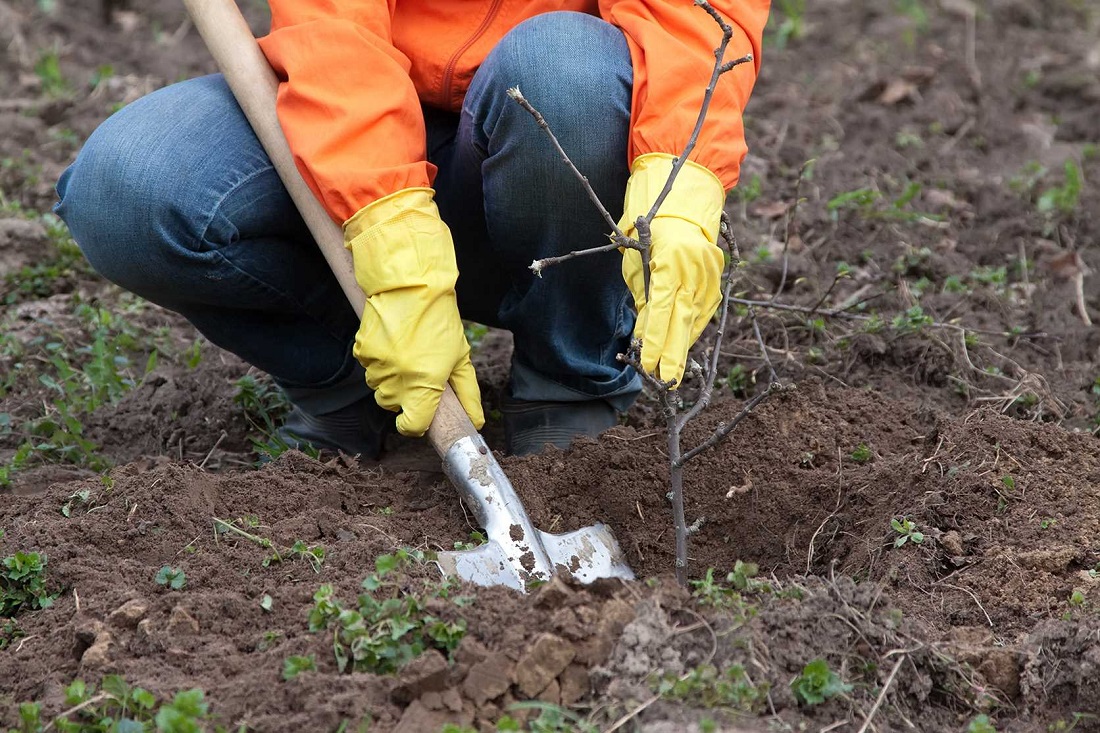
(354, 73)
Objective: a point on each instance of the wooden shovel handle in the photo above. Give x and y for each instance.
(254, 85)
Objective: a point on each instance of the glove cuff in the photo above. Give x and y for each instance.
(388, 208)
(399, 241)
(697, 195)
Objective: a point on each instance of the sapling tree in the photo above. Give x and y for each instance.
(677, 415)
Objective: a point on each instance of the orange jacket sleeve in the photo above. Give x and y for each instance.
(346, 102)
(672, 46)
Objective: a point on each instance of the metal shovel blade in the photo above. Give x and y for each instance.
(516, 553)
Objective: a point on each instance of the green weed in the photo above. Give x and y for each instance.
(817, 683)
(1065, 198)
(64, 261)
(914, 10)
(477, 539)
(171, 577)
(906, 531)
(739, 380)
(78, 380)
(1064, 726)
(9, 632)
(116, 707)
(101, 74)
(710, 687)
(390, 625)
(48, 69)
(981, 724)
(551, 719)
(264, 407)
(871, 203)
(913, 320)
(313, 554)
(295, 665)
(861, 454)
(23, 584)
(76, 500)
(791, 24)
(475, 333)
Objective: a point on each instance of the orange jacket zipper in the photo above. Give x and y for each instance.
(449, 70)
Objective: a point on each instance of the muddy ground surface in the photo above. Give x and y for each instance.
(924, 293)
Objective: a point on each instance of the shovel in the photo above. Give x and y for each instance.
(516, 553)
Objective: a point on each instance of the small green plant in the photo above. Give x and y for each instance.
(981, 724)
(76, 499)
(1064, 726)
(729, 595)
(48, 69)
(295, 665)
(913, 320)
(477, 539)
(313, 554)
(873, 324)
(739, 380)
(78, 381)
(171, 577)
(475, 333)
(817, 683)
(1063, 199)
(791, 25)
(861, 453)
(390, 625)
(1047, 522)
(710, 687)
(116, 707)
(907, 531)
(551, 719)
(9, 632)
(269, 640)
(871, 203)
(193, 356)
(264, 406)
(23, 584)
(954, 284)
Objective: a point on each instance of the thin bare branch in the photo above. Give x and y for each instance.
(719, 69)
(539, 265)
(772, 376)
(724, 429)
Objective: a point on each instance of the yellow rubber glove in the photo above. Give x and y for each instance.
(685, 260)
(411, 340)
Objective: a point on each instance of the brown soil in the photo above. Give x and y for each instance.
(987, 448)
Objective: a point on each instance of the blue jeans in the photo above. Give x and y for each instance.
(174, 199)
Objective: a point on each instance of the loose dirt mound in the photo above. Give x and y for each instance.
(958, 640)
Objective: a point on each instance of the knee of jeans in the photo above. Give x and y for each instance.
(573, 67)
(121, 216)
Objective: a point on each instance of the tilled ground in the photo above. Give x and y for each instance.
(948, 141)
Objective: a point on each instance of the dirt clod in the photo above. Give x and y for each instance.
(425, 674)
(489, 679)
(181, 622)
(129, 614)
(547, 658)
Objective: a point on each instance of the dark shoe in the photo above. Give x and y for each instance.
(530, 426)
(358, 429)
